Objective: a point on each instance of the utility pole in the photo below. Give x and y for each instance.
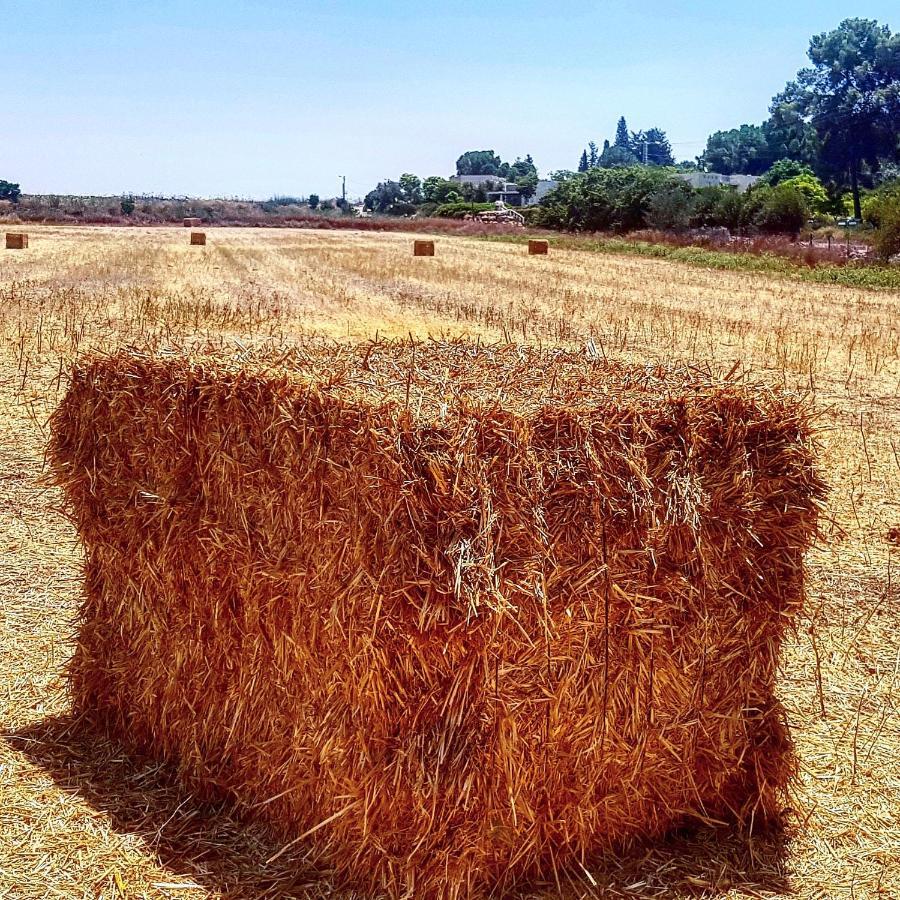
(645, 151)
(343, 191)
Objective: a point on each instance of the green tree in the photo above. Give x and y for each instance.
(479, 162)
(583, 162)
(790, 137)
(739, 151)
(527, 185)
(437, 189)
(616, 157)
(593, 156)
(522, 168)
(659, 150)
(411, 185)
(384, 196)
(9, 191)
(784, 169)
(623, 139)
(127, 206)
(851, 96)
(811, 189)
(313, 201)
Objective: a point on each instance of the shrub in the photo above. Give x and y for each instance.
(670, 206)
(401, 208)
(877, 203)
(781, 209)
(785, 170)
(127, 206)
(813, 191)
(887, 236)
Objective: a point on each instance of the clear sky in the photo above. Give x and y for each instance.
(252, 99)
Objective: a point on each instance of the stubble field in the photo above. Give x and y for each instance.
(78, 818)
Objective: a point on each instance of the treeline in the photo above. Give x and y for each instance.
(625, 199)
(439, 196)
(151, 210)
(830, 149)
(840, 116)
(649, 147)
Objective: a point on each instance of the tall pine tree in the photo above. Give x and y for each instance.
(583, 162)
(659, 150)
(622, 137)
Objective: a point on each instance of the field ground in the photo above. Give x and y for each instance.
(80, 819)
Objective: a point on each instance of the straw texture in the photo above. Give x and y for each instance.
(192, 221)
(423, 248)
(198, 238)
(453, 616)
(538, 247)
(16, 240)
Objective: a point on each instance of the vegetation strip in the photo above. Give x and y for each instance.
(862, 276)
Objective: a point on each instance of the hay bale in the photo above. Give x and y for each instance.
(454, 616)
(198, 238)
(423, 248)
(16, 240)
(538, 247)
(192, 222)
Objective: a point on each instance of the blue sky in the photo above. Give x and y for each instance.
(255, 99)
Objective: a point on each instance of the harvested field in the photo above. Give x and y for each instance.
(80, 817)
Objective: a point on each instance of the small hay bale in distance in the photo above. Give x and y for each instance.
(192, 222)
(455, 616)
(16, 240)
(538, 247)
(198, 238)
(423, 248)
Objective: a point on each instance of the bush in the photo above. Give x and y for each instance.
(778, 210)
(670, 206)
(814, 194)
(879, 203)
(887, 237)
(785, 170)
(401, 208)
(127, 206)
(461, 210)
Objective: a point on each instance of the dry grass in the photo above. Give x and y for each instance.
(78, 817)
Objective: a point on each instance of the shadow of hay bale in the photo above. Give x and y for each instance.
(202, 840)
(208, 842)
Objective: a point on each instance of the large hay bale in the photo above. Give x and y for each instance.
(198, 238)
(192, 222)
(16, 240)
(455, 616)
(539, 247)
(423, 248)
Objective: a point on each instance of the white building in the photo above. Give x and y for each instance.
(714, 179)
(498, 188)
